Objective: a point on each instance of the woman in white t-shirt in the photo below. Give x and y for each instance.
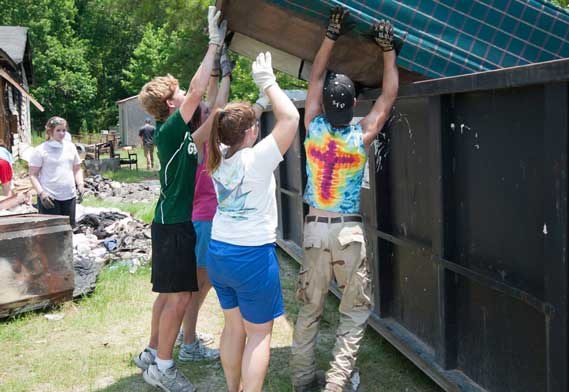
(242, 262)
(55, 170)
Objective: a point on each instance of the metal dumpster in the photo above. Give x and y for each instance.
(36, 262)
(465, 212)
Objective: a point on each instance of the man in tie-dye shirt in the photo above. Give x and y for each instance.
(334, 244)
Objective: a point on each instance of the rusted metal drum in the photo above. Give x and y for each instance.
(36, 262)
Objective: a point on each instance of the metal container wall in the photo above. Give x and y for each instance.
(36, 262)
(466, 219)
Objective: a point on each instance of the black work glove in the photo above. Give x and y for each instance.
(46, 200)
(225, 62)
(383, 35)
(80, 192)
(334, 29)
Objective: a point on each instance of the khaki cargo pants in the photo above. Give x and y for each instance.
(149, 155)
(331, 250)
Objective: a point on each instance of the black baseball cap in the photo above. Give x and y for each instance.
(338, 99)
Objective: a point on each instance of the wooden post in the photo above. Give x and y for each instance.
(3, 128)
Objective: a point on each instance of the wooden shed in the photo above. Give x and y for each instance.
(131, 118)
(16, 75)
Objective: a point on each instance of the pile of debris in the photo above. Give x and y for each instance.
(107, 235)
(107, 189)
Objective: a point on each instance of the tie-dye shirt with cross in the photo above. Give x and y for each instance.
(335, 162)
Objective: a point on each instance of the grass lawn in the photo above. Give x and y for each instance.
(127, 175)
(91, 348)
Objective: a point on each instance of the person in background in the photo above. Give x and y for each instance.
(6, 163)
(55, 172)
(242, 262)
(334, 244)
(193, 344)
(146, 134)
(173, 236)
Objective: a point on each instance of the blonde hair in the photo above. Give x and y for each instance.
(229, 126)
(154, 94)
(51, 124)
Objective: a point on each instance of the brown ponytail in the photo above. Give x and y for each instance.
(214, 152)
(229, 126)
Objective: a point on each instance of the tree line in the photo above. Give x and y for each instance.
(88, 54)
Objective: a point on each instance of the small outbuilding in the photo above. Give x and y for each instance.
(16, 76)
(131, 118)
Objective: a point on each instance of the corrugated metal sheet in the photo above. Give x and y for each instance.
(455, 37)
(263, 25)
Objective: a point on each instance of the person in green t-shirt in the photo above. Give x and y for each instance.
(173, 236)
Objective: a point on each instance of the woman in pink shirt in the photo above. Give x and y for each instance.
(194, 344)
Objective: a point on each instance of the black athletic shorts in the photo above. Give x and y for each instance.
(173, 258)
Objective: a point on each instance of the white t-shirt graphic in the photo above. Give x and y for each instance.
(245, 187)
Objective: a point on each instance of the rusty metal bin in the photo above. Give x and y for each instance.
(466, 216)
(36, 262)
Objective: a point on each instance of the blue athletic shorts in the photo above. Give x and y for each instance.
(203, 234)
(246, 277)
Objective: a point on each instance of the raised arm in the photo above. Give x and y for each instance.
(222, 67)
(313, 106)
(212, 89)
(374, 121)
(200, 81)
(213, 81)
(285, 112)
(201, 135)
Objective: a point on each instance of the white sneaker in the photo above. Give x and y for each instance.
(171, 380)
(144, 359)
(205, 338)
(196, 352)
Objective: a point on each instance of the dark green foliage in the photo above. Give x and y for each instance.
(561, 3)
(65, 84)
(88, 54)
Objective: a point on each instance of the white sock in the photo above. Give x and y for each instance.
(153, 351)
(164, 364)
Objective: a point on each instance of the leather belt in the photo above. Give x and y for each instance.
(337, 219)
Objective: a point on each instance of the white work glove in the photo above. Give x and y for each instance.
(216, 30)
(263, 71)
